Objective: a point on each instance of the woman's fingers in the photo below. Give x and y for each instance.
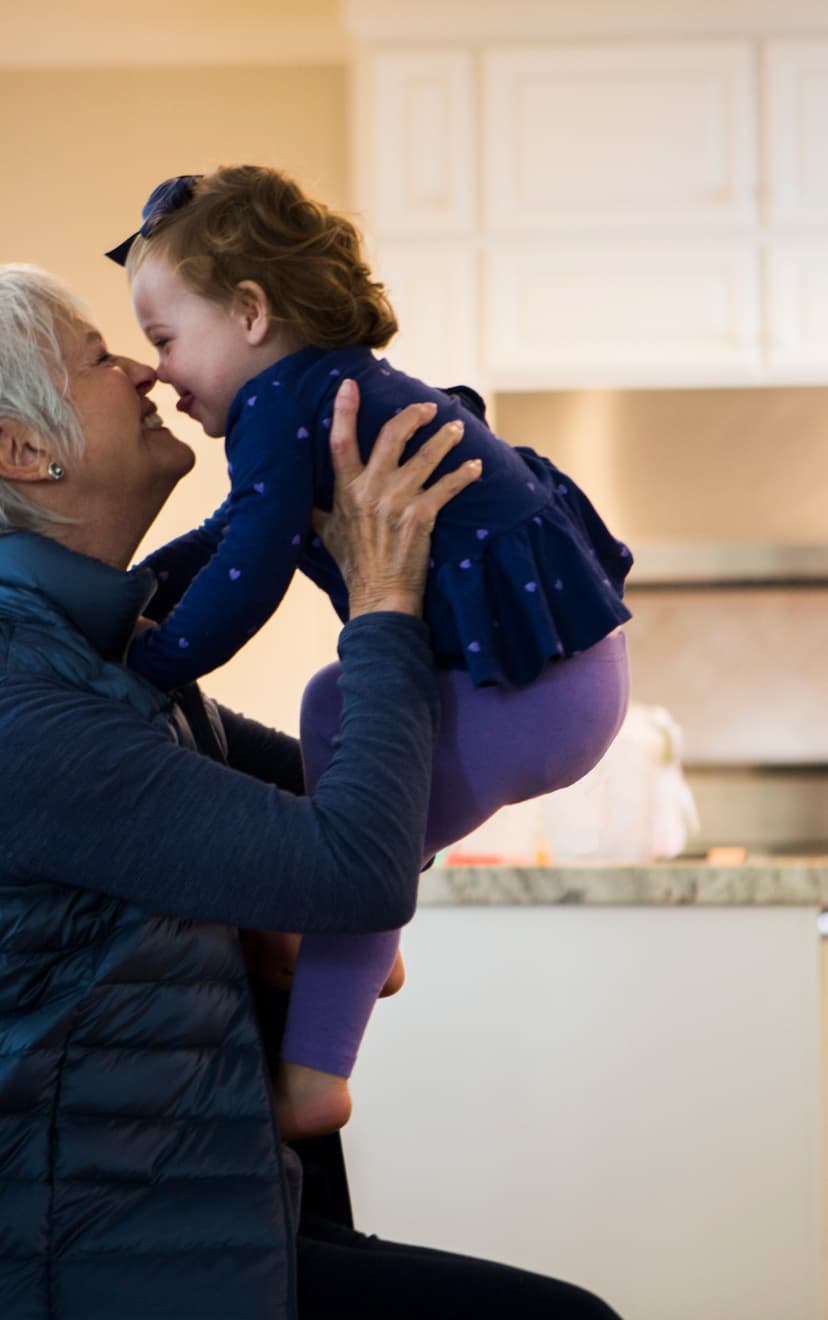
(433, 500)
(379, 528)
(390, 442)
(403, 489)
(385, 456)
(344, 451)
(416, 470)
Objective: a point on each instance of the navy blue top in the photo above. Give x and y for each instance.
(523, 569)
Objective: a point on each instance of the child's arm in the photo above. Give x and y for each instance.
(268, 517)
(272, 757)
(176, 563)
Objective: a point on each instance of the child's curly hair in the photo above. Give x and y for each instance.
(248, 222)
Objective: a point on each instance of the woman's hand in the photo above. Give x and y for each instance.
(271, 956)
(379, 530)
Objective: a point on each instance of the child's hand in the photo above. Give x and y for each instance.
(379, 529)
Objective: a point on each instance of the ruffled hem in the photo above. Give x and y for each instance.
(547, 589)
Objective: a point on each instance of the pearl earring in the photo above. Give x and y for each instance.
(55, 471)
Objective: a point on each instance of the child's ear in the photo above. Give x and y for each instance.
(252, 306)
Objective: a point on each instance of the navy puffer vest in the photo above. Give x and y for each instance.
(140, 1170)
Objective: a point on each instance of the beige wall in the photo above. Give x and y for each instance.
(80, 151)
(95, 33)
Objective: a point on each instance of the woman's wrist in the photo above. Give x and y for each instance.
(393, 625)
(389, 646)
(388, 601)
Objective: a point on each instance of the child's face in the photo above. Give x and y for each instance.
(203, 348)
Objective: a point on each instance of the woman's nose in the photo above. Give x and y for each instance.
(141, 374)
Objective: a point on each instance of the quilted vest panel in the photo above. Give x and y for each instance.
(140, 1173)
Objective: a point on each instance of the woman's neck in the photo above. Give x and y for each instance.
(112, 546)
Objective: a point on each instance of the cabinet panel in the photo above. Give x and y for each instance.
(629, 1099)
(797, 113)
(607, 136)
(598, 313)
(798, 306)
(433, 288)
(421, 114)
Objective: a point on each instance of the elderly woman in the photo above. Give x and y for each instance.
(141, 1172)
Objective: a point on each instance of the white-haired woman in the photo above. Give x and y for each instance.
(141, 1173)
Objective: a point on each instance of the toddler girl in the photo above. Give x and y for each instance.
(260, 305)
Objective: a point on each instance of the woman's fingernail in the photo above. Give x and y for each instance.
(346, 390)
(475, 463)
(456, 428)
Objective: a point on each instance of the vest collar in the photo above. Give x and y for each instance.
(101, 602)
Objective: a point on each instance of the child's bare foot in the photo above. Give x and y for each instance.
(310, 1103)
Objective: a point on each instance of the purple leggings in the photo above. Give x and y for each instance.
(495, 746)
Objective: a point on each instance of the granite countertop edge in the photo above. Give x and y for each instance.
(757, 882)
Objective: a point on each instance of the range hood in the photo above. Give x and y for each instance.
(729, 563)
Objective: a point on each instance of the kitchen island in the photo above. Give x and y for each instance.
(613, 1074)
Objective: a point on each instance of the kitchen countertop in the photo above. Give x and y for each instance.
(759, 881)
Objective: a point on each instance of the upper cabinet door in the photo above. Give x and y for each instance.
(608, 314)
(797, 122)
(607, 137)
(420, 113)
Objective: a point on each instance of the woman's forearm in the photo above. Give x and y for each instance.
(134, 815)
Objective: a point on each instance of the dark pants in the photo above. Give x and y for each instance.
(344, 1274)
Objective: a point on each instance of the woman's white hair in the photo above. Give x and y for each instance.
(39, 316)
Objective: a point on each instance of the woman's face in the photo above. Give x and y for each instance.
(131, 462)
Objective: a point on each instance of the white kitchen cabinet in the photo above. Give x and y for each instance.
(797, 299)
(418, 117)
(650, 138)
(796, 75)
(626, 1097)
(435, 289)
(612, 176)
(563, 314)
(645, 212)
